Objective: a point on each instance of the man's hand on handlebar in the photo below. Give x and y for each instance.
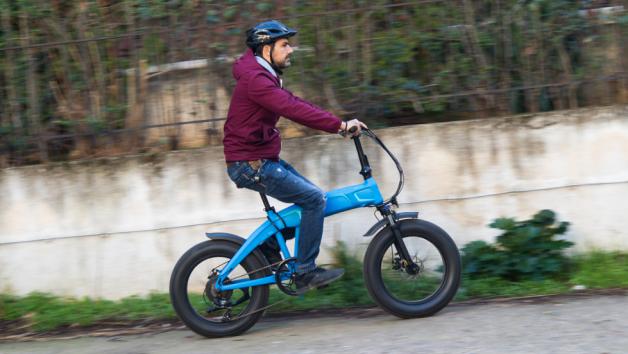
(351, 128)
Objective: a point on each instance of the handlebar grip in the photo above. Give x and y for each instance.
(353, 129)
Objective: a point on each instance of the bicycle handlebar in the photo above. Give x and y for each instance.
(349, 132)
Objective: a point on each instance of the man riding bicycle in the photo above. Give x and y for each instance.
(252, 143)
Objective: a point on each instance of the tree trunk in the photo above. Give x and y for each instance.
(34, 114)
(367, 58)
(135, 111)
(13, 109)
(135, 95)
(478, 55)
(526, 57)
(352, 46)
(99, 94)
(174, 132)
(540, 70)
(84, 49)
(567, 74)
(212, 81)
(506, 79)
(622, 65)
(69, 103)
(528, 80)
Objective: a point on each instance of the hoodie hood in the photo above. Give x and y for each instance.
(245, 64)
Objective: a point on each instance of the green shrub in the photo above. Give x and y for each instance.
(526, 250)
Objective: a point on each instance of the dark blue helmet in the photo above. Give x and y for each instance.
(267, 32)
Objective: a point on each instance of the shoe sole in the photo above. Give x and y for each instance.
(319, 286)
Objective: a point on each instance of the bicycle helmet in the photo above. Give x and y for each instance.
(267, 32)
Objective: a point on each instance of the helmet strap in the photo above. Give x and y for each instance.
(272, 62)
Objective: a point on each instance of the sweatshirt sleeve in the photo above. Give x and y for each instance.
(263, 91)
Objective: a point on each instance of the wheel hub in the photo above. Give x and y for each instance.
(219, 298)
(413, 269)
(402, 265)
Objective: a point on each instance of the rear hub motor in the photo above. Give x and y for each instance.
(219, 298)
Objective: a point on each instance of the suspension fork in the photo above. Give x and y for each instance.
(393, 222)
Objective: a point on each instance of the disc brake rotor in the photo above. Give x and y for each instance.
(412, 269)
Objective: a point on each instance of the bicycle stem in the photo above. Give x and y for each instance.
(364, 162)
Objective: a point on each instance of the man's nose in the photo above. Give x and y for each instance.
(290, 50)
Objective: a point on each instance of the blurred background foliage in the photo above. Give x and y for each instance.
(73, 73)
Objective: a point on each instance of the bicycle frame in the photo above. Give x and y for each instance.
(338, 200)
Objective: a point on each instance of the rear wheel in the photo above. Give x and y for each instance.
(420, 288)
(203, 309)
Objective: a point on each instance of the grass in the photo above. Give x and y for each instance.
(602, 270)
(43, 312)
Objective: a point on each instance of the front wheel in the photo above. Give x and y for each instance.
(420, 288)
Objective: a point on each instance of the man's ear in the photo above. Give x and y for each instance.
(265, 51)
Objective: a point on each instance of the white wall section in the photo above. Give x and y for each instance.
(115, 227)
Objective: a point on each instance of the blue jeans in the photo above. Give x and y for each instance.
(282, 182)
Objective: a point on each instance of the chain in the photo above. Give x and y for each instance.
(256, 270)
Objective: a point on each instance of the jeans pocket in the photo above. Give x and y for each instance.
(242, 175)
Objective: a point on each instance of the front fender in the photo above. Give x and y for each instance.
(223, 236)
(382, 223)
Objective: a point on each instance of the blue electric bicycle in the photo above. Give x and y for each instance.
(220, 287)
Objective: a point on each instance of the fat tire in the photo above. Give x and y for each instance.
(179, 296)
(435, 302)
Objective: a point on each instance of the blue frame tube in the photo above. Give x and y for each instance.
(239, 284)
(338, 200)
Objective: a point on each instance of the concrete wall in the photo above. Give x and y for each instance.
(115, 227)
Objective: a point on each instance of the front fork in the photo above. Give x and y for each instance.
(407, 262)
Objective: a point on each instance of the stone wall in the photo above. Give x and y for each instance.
(115, 227)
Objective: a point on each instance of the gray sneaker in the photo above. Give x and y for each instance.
(317, 278)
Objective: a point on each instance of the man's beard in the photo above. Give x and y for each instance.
(286, 63)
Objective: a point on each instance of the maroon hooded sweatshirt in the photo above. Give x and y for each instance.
(256, 104)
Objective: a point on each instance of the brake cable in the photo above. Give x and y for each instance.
(377, 140)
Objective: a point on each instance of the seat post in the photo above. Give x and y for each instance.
(267, 206)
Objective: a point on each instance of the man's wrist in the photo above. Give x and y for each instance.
(343, 126)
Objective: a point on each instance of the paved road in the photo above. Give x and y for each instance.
(561, 325)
